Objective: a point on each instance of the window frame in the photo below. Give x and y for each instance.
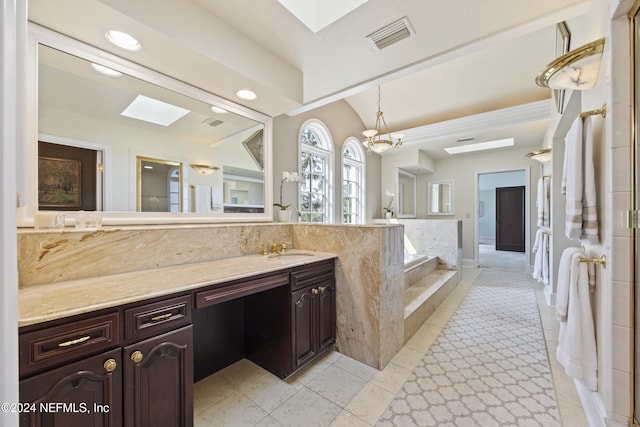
(360, 164)
(326, 150)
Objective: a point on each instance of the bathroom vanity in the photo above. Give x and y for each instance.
(130, 354)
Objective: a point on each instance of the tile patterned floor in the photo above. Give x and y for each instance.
(488, 367)
(337, 391)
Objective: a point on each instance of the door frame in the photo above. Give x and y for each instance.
(527, 213)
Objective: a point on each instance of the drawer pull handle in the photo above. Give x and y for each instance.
(314, 291)
(110, 365)
(137, 356)
(161, 317)
(74, 342)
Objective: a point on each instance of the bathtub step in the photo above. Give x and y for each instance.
(424, 297)
(416, 271)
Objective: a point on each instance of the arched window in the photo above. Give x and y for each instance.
(353, 182)
(316, 170)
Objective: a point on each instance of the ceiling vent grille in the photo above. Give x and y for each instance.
(213, 123)
(390, 34)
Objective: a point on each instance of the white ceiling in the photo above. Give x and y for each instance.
(463, 60)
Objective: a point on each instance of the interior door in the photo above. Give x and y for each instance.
(510, 219)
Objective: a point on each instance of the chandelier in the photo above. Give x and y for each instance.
(380, 142)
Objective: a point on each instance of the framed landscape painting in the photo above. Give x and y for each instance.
(59, 183)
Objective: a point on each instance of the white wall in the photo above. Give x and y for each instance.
(462, 170)
(487, 184)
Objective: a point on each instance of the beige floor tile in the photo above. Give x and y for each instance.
(337, 385)
(306, 409)
(359, 369)
(424, 337)
(235, 410)
(407, 357)
(370, 403)
(392, 377)
(572, 415)
(308, 373)
(211, 390)
(347, 419)
(267, 390)
(268, 421)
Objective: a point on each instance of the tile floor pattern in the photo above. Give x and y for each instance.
(488, 367)
(337, 391)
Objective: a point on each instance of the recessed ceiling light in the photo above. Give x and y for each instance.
(153, 111)
(480, 146)
(218, 110)
(123, 40)
(105, 70)
(246, 94)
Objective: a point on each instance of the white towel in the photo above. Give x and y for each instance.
(589, 232)
(572, 180)
(564, 280)
(576, 340)
(541, 260)
(217, 199)
(201, 198)
(543, 202)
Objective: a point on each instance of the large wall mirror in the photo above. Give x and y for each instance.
(102, 124)
(440, 197)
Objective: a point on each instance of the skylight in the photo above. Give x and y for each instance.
(478, 146)
(317, 14)
(153, 111)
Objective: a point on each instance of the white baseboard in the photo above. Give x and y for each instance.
(593, 407)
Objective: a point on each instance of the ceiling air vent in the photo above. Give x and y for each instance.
(390, 34)
(213, 123)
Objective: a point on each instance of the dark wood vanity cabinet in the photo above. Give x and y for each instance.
(84, 393)
(158, 385)
(313, 312)
(145, 378)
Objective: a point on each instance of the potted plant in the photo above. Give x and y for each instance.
(283, 214)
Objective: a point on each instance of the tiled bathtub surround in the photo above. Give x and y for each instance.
(369, 268)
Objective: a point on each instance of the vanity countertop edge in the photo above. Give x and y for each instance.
(52, 301)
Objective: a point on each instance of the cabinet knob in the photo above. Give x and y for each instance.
(322, 288)
(137, 356)
(110, 365)
(314, 291)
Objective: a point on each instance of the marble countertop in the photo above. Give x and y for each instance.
(42, 303)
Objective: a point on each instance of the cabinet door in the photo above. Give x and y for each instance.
(158, 380)
(304, 329)
(84, 393)
(326, 314)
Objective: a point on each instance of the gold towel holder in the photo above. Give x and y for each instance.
(598, 112)
(600, 261)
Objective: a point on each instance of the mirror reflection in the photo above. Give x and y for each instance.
(109, 141)
(406, 194)
(159, 188)
(441, 198)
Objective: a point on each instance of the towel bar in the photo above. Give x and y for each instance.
(600, 111)
(601, 261)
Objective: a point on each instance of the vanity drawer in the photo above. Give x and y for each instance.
(240, 289)
(154, 318)
(62, 344)
(309, 275)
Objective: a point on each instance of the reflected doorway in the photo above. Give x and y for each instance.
(487, 187)
(159, 185)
